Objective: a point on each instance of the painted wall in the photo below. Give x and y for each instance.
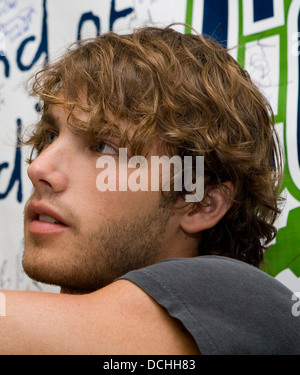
(34, 31)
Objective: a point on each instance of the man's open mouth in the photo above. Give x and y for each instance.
(43, 219)
(49, 219)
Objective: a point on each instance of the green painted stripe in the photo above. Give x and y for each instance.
(189, 15)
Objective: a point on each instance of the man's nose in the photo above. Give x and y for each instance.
(48, 171)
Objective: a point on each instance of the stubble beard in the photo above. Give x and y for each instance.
(99, 257)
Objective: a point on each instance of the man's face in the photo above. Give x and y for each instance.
(76, 236)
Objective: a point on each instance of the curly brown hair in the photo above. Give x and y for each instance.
(189, 92)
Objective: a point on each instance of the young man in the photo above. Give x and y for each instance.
(147, 271)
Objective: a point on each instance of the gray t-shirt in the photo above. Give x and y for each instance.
(228, 306)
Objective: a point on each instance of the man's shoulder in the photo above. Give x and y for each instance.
(220, 300)
(143, 325)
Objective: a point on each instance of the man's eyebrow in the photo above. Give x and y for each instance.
(50, 119)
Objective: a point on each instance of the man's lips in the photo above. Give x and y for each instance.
(43, 219)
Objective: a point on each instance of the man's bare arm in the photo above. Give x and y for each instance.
(118, 319)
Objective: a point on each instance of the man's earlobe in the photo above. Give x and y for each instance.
(207, 213)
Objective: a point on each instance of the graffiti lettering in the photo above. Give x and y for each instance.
(88, 17)
(42, 49)
(16, 172)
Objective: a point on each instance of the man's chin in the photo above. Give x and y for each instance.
(40, 266)
(39, 273)
(72, 279)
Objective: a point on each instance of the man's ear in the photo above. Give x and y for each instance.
(207, 213)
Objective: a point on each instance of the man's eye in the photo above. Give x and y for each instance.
(47, 139)
(51, 137)
(104, 148)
